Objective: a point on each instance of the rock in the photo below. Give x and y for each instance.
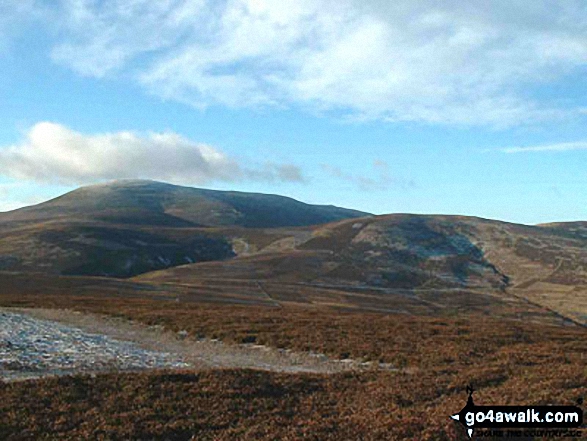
(45, 347)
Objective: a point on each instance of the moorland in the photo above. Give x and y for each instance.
(446, 301)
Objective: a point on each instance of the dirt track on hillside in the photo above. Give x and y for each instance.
(119, 340)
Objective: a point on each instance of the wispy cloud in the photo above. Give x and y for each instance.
(54, 153)
(16, 195)
(380, 179)
(560, 147)
(9, 205)
(13, 16)
(441, 62)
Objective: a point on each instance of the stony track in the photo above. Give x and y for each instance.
(32, 347)
(40, 342)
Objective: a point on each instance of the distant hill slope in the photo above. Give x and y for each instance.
(186, 237)
(126, 228)
(392, 251)
(432, 256)
(142, 202)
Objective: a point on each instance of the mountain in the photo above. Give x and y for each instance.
(141, 202)
(126, 228)
(444, 261)
(272, 249)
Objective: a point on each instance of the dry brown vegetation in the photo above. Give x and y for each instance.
(430, 256)
(243, 404)
(392, 338)
(218, 405)
(445, 300)
(508, 361)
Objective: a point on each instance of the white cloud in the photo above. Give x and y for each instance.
(54, 153)
(559, 147)
(105, 36)
(442, 62)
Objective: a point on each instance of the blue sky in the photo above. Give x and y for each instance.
(411, 106)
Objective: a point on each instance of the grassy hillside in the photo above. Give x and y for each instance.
(160, 204)
(508, 361)
(437, 258)
(214, 242)
(131, 227)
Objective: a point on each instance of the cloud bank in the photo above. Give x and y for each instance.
(450, 62)
(53, 153)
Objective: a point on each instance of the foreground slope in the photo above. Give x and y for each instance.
(509, 362)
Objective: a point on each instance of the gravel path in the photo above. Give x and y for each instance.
(38, 342)
(31, 347)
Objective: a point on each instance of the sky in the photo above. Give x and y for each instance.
(413, 106)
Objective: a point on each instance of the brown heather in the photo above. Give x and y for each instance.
(507, 361)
